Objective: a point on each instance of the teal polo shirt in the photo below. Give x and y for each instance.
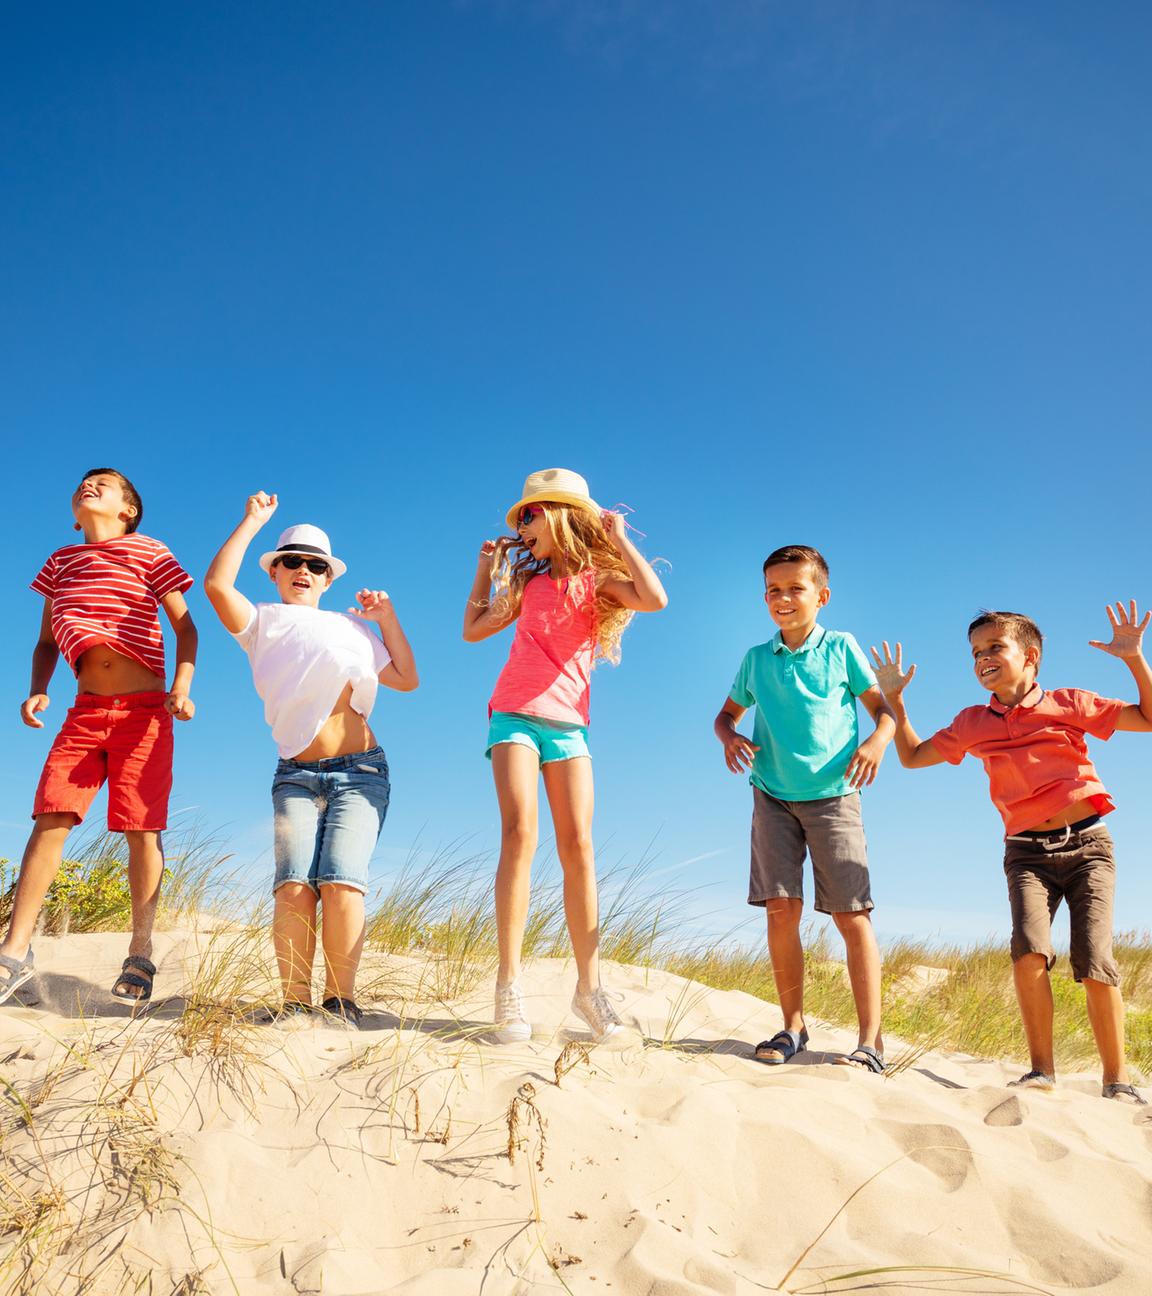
(806, 725)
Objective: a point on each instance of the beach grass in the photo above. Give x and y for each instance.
(84, 1154)
(438, 908)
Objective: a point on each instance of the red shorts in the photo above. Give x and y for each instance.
(126, 740)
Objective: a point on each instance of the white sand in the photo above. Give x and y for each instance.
(671, 1166)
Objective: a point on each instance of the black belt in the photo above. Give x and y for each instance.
(1056, 836)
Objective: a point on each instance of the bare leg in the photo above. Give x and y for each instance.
(342, 936)
(787, 955)
(568, 784)
(1034, 995)
(1106, 1013)
(294, 939)
(516, 769)
(38, 870)
(145, 874)
(863, 957)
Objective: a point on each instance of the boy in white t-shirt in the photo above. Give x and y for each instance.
(317, 673)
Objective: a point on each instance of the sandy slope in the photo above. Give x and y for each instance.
(674, 1165)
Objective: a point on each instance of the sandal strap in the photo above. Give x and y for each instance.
(869, 1056)
(145, 965)
(134, 979)
(1111, 1090)
(16, 966)
(785, 1042)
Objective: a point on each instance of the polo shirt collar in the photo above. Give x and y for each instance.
(814, 640)
(1028, 701)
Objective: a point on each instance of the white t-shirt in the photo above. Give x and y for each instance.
(301, 660)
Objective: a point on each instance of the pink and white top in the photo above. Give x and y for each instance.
(108, 593)
(547, 672)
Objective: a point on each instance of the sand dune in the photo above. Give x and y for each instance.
(311, 1160)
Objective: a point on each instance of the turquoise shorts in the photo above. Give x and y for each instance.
(551, 740)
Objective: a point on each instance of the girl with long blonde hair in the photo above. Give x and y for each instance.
(571, 579)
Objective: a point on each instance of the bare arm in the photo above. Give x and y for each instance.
(178, 703)
(1127, 644)
(644, 592)
(400, 673)
(44, 658)
(738, 750)
(233, 609)
(480, 621)
(865, 763)
(913, 752)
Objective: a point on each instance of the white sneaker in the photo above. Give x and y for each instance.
(512, 1027)
(595, 1008)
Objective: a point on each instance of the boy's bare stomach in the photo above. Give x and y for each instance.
(1069, 815)
(105, 672)
(345, 731)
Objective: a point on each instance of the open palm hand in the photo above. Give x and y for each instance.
(1127, 633)
(890, 674)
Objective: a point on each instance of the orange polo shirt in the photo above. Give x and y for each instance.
(1035, 752)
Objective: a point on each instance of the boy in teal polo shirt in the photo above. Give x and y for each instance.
(807, 766)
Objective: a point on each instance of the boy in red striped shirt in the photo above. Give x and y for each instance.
(101, 601)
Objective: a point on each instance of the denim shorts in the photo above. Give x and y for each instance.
(551, 740)
(328, 816)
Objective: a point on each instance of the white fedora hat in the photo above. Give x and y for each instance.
(554, 486)
(307, 540)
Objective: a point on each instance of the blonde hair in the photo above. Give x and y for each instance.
(579, 542)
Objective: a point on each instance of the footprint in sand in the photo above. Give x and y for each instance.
(1006, 1112)
(942, 1149)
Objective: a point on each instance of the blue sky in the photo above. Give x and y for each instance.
(872, 277)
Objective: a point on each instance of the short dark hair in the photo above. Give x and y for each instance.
(799, 554)
(1013, 624)
(131, 494)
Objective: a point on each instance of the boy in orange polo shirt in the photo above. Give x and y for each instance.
(1032, 744)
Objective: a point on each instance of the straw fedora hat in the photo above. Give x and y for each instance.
(307, 540)
(554, 486)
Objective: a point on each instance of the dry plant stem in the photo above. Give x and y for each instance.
(943, 1147)
(988, 1275)
(571, 1055)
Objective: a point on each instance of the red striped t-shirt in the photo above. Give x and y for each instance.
(108, 593)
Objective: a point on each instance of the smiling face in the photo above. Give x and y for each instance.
(795, 595)
(1002, 664)
(301, 587)
(101, 498)
(535, 532)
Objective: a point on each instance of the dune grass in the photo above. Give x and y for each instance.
(84, 1153)
(90, 892)
(439, 909)
(971, 1008)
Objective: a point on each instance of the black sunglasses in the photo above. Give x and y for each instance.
(317, 566)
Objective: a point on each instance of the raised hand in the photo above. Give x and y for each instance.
(615, 527)
(1127, 635)
(29, 708)
(375, 605)
(890, 671)
(260, 507)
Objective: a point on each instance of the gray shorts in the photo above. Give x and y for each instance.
(1080, 870)
(831, 830)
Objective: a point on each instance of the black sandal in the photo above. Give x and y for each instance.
(143, 983)
(781, 1048)
(345, 1010)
